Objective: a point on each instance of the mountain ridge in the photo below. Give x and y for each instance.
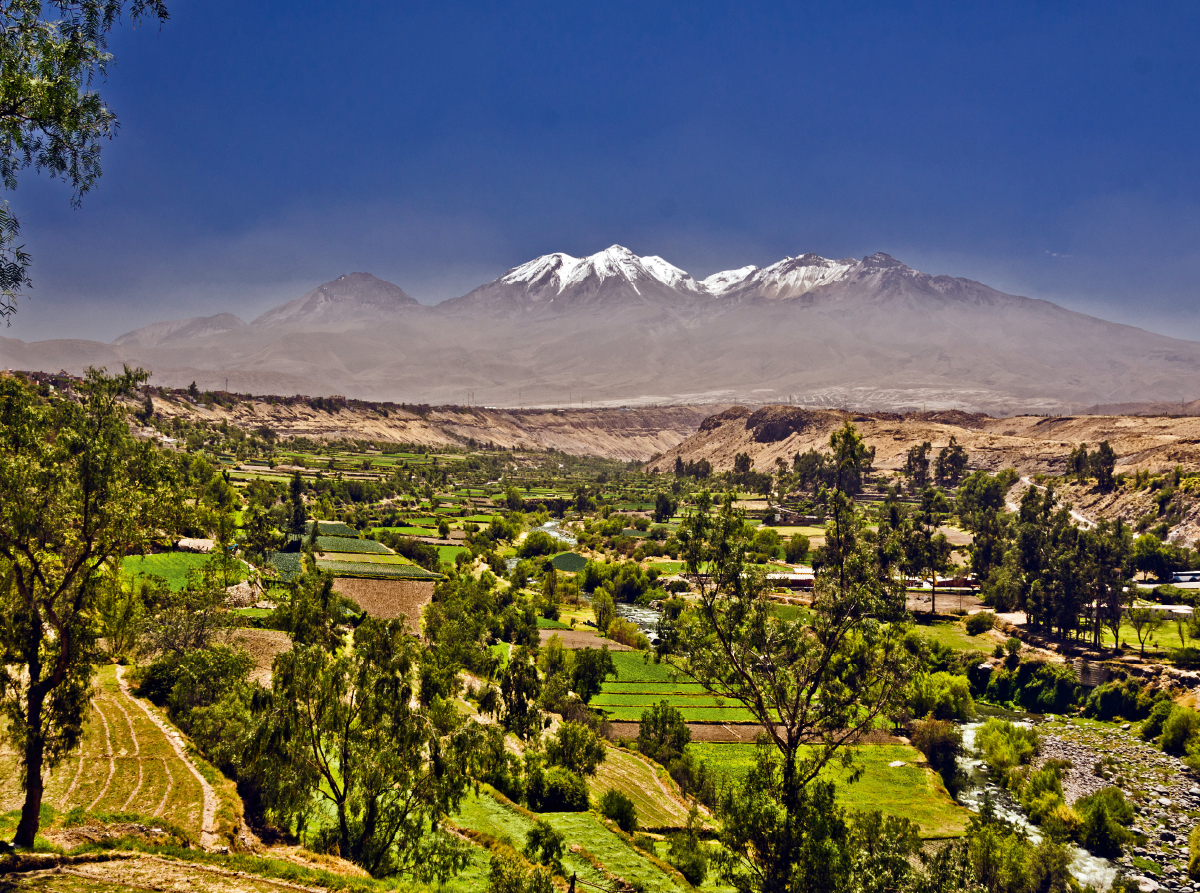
(614, 328)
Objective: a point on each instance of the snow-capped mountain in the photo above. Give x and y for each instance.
(789, 278)
(559, 282)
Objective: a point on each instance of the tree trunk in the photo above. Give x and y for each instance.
(35, 748)
(933, 594)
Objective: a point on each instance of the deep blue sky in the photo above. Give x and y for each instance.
(1048, 149)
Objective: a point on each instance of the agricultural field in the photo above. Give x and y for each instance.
(174, 567)
(954, 635)
(611, 856)
(652, 792)
(127, 765)
(640, 685)
(911, 790)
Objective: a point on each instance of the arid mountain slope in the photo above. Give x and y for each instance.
(617, 329)
(612, 433)
(1030, 444)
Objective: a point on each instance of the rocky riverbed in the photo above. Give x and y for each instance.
(1163, 791)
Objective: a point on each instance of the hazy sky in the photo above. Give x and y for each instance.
(1048, 149)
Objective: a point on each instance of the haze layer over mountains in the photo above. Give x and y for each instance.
(615, 328)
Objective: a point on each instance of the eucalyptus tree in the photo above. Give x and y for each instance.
(77, 493)
(51, 118)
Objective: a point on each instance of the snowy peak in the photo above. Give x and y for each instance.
(559, 272)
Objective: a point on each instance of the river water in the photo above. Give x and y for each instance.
(1086, 868)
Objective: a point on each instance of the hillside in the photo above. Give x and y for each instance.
(618, 329)
(612, 433)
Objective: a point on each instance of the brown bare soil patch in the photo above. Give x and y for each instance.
(388, 599)
(263, 645)
(734, 732)
(578, 638)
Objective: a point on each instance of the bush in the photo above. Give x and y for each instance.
(619, 808)
(1105, 815)
(941, 696)
(1194, 854)
(544, 845)
(1186, 658)
(1153, 725)
(1125, 698)
(1006, 746)
(538, 542)
(980, 623)
(663, 734)
(941, 743)
(508, 874)
(795, 550)
(626, 633)
(557, 790)
(687, 854)
(1036, 686)
(1179, 727)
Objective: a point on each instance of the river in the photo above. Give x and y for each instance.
(1086, 868)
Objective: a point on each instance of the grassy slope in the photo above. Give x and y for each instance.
(910, 791)
(174, 567)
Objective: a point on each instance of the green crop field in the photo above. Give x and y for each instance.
(547, 623)
(126, 764)
(332, 528)
(449, 553)
(380, 571)
(174, 567)
(350, 544)
(569, 562)
(636, 777)
(954, 635)
(404, 531)
(364, 558)
(909, 791)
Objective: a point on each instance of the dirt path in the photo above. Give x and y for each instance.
(1082, 520)
(108, 751)
(208, 837)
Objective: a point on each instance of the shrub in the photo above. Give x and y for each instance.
(619, 808)
(662, 733)
(545, 845)
(1037, 686)
(1006, 746)
(626, 633)
(1194, 854)
(575, 748)
(795, 550)
(687, 854)
(1153, 725)
(1186, 658)
(1042, 794)
(941, 743)
(1179, 727)
(538, 542)
(508, 874)
(980, 623)
(1105, 813)
(941, 696)
(558, 790)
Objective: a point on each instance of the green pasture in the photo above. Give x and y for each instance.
(908, 791)
(350, 544)
(954, 635)
(690, 714)
(174, 567)
(379, 571)
(570, 562)
(449, 553)
(404, 531)
(364, 558)
(547, 623)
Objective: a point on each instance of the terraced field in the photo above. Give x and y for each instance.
(612, 856)
(909, 789)
(641, 684)
(655, 799)
(127, 763)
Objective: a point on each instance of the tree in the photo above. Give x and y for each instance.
(813, 684)
(664, 508)
(662, 733)
(589, 670)
(1145, 622)
(852, 459)
(519, 689)
(795, 549)
(1077, 463)
(77, 493)
(50, 117)
(340, 726)
(916, 466)
(1103, 462)
(603, 609)
(576, 748)
(927, 552)
(980, 506)
(298, 516)
(950, 464)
